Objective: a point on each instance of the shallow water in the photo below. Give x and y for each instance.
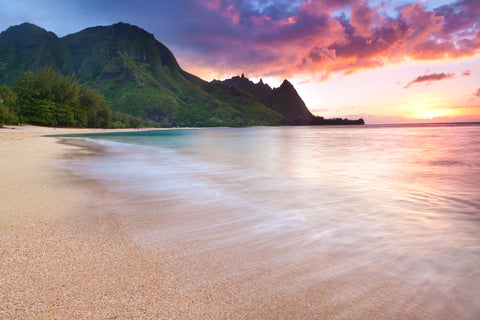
(398, 201)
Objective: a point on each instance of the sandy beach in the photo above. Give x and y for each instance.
(55, 264)
(65, 255)
(69, 250)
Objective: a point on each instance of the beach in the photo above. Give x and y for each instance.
(73, 248)
(53, 263)
(64, 254)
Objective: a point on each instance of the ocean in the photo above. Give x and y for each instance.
(394, 210)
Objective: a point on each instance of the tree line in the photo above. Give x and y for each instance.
(49, 98)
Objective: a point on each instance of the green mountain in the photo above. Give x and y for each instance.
(139, 76)
(136, 73)
(27, 48)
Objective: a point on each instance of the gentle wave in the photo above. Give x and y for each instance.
(397, 200)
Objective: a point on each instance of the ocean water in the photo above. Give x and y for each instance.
(401, 202)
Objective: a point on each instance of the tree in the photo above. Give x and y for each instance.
(49, 98)
(7, 100)
(99, 114)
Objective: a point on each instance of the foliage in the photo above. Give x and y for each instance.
(98, 113)
(51, 99)
(122, 120)
(7, 100)
(6, 117)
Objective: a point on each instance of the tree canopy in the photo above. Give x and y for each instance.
(7, 100)
(52, 99)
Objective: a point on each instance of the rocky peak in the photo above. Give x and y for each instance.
(284, 99)
(287, 86)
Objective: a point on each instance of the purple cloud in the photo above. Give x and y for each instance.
(277, 37)
(430, 77)
(313, 38)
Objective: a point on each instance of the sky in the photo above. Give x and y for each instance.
(386, 61)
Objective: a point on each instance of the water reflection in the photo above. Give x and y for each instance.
(400, 202)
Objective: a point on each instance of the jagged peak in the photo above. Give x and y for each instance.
(286, 84)
(241, 78)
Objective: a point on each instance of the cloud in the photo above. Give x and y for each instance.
(430, 77)
(277, 37)
(362, 18)
(328, 37)
(477, 93)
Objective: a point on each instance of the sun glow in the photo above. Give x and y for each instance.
(431, 114)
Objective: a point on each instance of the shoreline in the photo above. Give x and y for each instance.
(70, 248)
(63, 253)
(66, 253)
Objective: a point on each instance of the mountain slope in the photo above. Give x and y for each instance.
(140, 76)
(27, 47)
(285, 99)
(136, 73)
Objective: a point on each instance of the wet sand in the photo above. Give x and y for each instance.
(70, 249)
(62, 253)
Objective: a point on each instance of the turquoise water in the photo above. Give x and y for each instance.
(400, 200)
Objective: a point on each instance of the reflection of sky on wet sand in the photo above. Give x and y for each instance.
(398, 202)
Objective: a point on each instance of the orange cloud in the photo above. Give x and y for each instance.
(314, 38)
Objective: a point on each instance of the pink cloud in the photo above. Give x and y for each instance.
(311, 7)
(232, 13)
(423, 24)
(212, 4)
(430, 77)
(363, 18)
(314, 38)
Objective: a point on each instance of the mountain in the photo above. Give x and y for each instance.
(27, 47)
(284, 100)
(140, 76)
(136, 73)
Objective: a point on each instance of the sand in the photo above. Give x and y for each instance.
(60, 258)
(69, 249)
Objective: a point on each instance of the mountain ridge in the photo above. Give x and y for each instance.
(140, 76)
(284, 99)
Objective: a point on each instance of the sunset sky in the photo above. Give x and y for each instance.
(385, 61)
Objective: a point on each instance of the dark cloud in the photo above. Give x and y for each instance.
(477, 93)
(431, 77)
